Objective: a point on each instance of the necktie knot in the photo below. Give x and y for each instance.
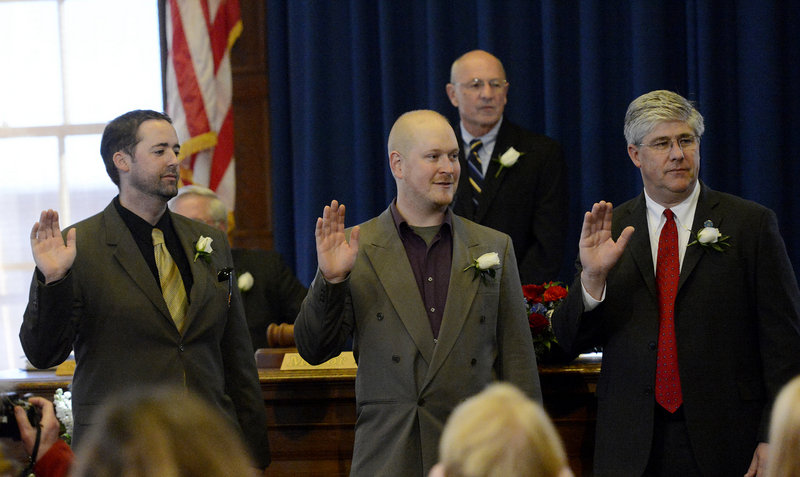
(158, 237)
(670, 214)
(474, 146)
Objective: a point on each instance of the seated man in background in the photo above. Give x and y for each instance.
(270, 291)
(500, 432)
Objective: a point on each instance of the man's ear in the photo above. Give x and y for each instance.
(396, 164)
(633, 153)
(451, 93)
(122, 161)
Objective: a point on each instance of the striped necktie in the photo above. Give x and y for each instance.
(170, 279)
(475, 170)
(668, 382)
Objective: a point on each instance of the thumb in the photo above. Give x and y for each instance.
(624, 237)
(355, 233)
(71, 238)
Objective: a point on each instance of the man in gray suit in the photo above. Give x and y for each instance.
(431, 324)
(696, 306)
(100, 293)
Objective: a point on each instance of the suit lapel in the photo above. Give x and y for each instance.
(390, 262)
(506, 138)
(639, 244)
(460, 294)
(706, 210)
(127, 253)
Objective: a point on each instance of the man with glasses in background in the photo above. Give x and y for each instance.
(696, 307)
(523, 196)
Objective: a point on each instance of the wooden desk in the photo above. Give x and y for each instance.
(311, 414)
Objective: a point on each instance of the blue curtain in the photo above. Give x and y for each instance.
(342, 71)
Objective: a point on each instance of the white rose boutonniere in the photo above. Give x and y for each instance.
(245, 282)
(202, 248)
(485, 265)
(508, 159)
(710, 237)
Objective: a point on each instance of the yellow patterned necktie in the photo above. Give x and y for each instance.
(171, 282)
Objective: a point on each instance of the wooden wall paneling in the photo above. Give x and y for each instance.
(253, 214)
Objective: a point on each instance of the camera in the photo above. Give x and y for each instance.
(8, 421)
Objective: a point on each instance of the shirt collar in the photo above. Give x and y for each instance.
(399, 220)
(488, 138)
(684, 212)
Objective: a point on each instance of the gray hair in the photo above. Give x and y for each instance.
(217, 209)
(659, 106)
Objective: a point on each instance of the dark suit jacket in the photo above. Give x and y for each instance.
(276, 294)
(110, 309)
(737, 326)
(407, 384)
(527, 201)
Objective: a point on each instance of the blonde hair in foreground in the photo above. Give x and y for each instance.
(784, 434)
(501, 433)
(168, 433)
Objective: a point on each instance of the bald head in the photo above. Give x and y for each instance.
(478, 88)
(475, 60)
(407, 130)
(423, 157)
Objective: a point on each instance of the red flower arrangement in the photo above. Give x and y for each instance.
(540, 302)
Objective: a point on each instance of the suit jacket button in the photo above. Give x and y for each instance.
(396, 358)
(379, 316)
(180, 347)
(473, 362)
(648, 390)
(483, 318)
(421, 402)
(652, 345)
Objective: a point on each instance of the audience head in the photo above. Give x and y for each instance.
(500, 432)
(478, 88)
(423, 157)
(164, 432)
(200, 203)
(784, 434)
(122, 134)
(650, 109)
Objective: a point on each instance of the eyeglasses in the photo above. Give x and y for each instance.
(663, 145)
(476, 84)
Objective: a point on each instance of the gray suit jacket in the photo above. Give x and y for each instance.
(737, 327)
(407, 384)
(110, 309)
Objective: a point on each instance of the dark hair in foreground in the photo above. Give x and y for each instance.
(121, 135)
(165, 432)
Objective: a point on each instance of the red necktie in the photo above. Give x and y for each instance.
(668, 383)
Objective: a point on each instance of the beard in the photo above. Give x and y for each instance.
(158, 187)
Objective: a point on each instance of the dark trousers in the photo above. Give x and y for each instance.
(671, 454)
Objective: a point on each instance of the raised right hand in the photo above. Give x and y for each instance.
(598, 251)
(53, 258)
(335, 255)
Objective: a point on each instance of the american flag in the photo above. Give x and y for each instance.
(200, 34)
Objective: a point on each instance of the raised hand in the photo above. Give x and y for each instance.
(53, 257)
(598, 251)
(335, 255)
